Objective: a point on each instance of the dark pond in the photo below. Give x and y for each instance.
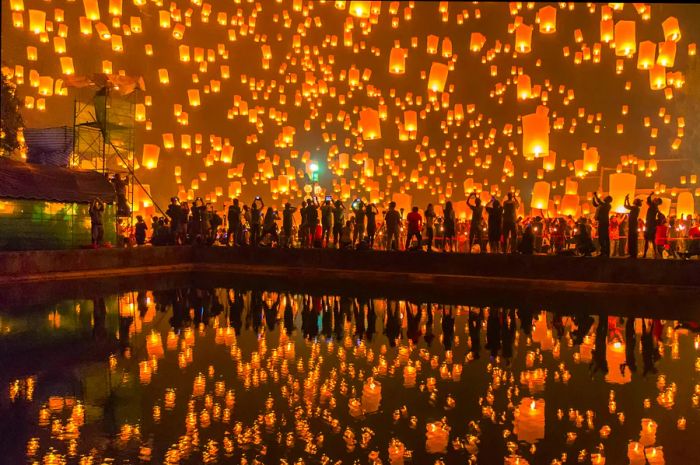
(191, 376)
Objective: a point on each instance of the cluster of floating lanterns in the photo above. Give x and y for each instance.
(304, 391)
(316, 97)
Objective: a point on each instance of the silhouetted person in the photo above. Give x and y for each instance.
(255, 216)
(338, 320)
(495, 211)
(392, 327)
(140, 230)
(430, 225)
(630, 346)
(288, 315)
(326, 319)
(235, 225)
(475, 225)
(174, 211)
(527, 242)
(96, 210)
(650, 224)
(510, 230)
(371, 214)
(632, 222)
(448, 327)
(602, 215)
(271, 312)
(650, 352)
(413, 316)
(474, 325)
(415, 225)
(493, 332)
(392, 223)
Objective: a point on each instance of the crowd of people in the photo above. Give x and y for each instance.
(493, 227)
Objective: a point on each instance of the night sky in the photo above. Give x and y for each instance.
(310, 55)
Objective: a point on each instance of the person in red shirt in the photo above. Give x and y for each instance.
(415, 225)
(661, 239)
(693, 241)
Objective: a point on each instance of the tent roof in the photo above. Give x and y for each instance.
(28, 181)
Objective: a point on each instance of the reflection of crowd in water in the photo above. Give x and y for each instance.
(405, 322)
(495, 226)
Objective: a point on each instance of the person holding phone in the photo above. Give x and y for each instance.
(327, 220)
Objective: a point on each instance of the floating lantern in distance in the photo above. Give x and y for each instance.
(37, 21)
(437, 77)
(370, 124)
(193, 97)
(397, 60)
(667, 54)
(590, 159)
(540, 195)
(150, 156)
(548, 19)
(524, 87)
(476, 41)
(92, 10)
(569, 205)
(671, 29)
(360, 9)
(685, 206)
(621, 184)
(410, 120)
(657, 77)
(535, 135)
(647, 54)
(625, 38)
(523, 38)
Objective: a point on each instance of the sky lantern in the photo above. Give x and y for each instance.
(476, 41)
(523, 38)
(548, 19)
(540, 195)
(163, 76)
(685, 205)
(410, 120)
(360, 9)
(606, 30)
(150, 156)
(647, 55)
(657, 77)
(437, 77)
(590, 159)
(621, 184)
(625, 38)
(524, 87)
(535, 135)
(193, 97)
(672, 31)
(92, 10)
(67, 66)
(397, 60)
(37, 21)
(369, 124)
(667, 54)
(569, 205)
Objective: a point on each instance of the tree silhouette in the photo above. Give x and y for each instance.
(11, 120)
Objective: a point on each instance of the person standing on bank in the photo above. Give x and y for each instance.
(371, 214)
(338, 221)
(430, 225)
(255, 215)
(415, 225)
(234, 224)
(392, 221)
(358, 208)
(632, 222)
(510, 229)
(174, 211)
(327, 220)
(140, 230)
(495, 211)
(97, 208)
(602, 215)
(449, 227)
(475, 226)
(650, 224)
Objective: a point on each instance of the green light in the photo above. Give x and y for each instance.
(313, 167)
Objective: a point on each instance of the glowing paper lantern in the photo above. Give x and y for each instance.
(92, 10)
(524, 87)
(437, 77)
(476, 41)
(535, 135)
(410, 120)
(569, 204)
(37, 21)
(621, 184)
(397, 60)
(548, 19)
(647, 55)
(657, 77)
(625, 38)
(685, 205)
(540, 195)
(667, 54)
(369, 124)
(671, 29)
(523, 38)
(150, 156)
(360, 9)
(590, 159)
(193, 97)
